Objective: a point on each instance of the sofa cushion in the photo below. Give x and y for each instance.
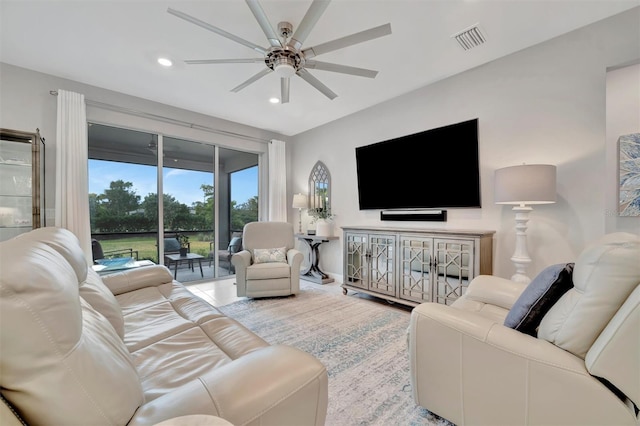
(175, 337)
(102, 300)
(204, 348)
(91, 287)
(604, 275)
(62, 241)
(52, 339)
(538, 297)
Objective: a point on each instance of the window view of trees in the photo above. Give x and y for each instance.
(120, 209)
(124, 178)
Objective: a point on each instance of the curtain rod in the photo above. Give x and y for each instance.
(156, 117)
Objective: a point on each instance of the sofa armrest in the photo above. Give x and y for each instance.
(272, 385)
(137, 278)
(494, 291)
(470, 369)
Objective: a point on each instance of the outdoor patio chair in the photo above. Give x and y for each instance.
(99, 253)
(224, 256)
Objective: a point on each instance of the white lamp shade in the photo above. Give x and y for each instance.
(299, 201)
(525, 184)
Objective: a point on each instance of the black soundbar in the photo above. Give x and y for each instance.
(415, 215)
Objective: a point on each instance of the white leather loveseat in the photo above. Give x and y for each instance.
(580, 367)
(134, 348)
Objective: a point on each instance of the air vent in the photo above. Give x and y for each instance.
(470, 37)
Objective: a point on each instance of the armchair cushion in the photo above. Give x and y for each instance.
(270, 255)
(538, 297)
(267, 271)
(604, 275)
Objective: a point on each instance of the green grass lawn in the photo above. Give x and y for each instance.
(147, 248)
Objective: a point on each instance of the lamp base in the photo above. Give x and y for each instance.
(521, 257)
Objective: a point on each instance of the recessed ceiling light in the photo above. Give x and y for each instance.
(274, 100)
(165, 62)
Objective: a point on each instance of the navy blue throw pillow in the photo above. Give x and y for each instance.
(539, 296)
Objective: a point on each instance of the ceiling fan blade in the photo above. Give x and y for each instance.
(264, 23)
(216, 30)
(224, 61)
(344, 69)
(316, 83)
(284, 90)
(347, 41)
(314, 13)
(253, 79)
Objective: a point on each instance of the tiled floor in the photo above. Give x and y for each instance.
(219, 292)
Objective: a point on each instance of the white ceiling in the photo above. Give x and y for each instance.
(115, 44)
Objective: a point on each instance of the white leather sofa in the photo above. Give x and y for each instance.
(582, 368)
(134, 348)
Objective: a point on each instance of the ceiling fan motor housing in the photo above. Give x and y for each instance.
(285, 61)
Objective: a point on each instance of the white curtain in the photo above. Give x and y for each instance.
(277, 182)
(72, 153)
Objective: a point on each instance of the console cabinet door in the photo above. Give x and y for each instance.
(454, 265)
(356, 249)
(381, 263)
(414, 282)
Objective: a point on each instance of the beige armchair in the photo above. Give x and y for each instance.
(579, 366)
(269, 264)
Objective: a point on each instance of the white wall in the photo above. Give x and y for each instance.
(545, 104)
(27, 105)
(623, 118)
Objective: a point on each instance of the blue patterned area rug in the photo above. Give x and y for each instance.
(362, 342)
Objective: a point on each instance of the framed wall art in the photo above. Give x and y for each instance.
(629, 175)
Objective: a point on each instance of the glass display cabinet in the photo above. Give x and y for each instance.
(21, 182)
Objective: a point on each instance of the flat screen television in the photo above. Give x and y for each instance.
(434, 169)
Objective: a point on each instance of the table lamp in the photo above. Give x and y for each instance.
(299, 202)
(523, 186)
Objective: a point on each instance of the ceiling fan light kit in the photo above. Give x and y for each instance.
(285, 55)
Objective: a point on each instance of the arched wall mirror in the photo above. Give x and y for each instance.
(319, 187)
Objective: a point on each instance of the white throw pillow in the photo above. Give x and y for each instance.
(270, 255)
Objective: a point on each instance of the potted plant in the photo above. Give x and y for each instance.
(184, 244)
(322, 217)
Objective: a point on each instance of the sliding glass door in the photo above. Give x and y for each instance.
(209, 193)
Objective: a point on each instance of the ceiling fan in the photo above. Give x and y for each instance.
(285, 55)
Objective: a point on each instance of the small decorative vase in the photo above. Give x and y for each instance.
(183, 251)
(324, 228)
